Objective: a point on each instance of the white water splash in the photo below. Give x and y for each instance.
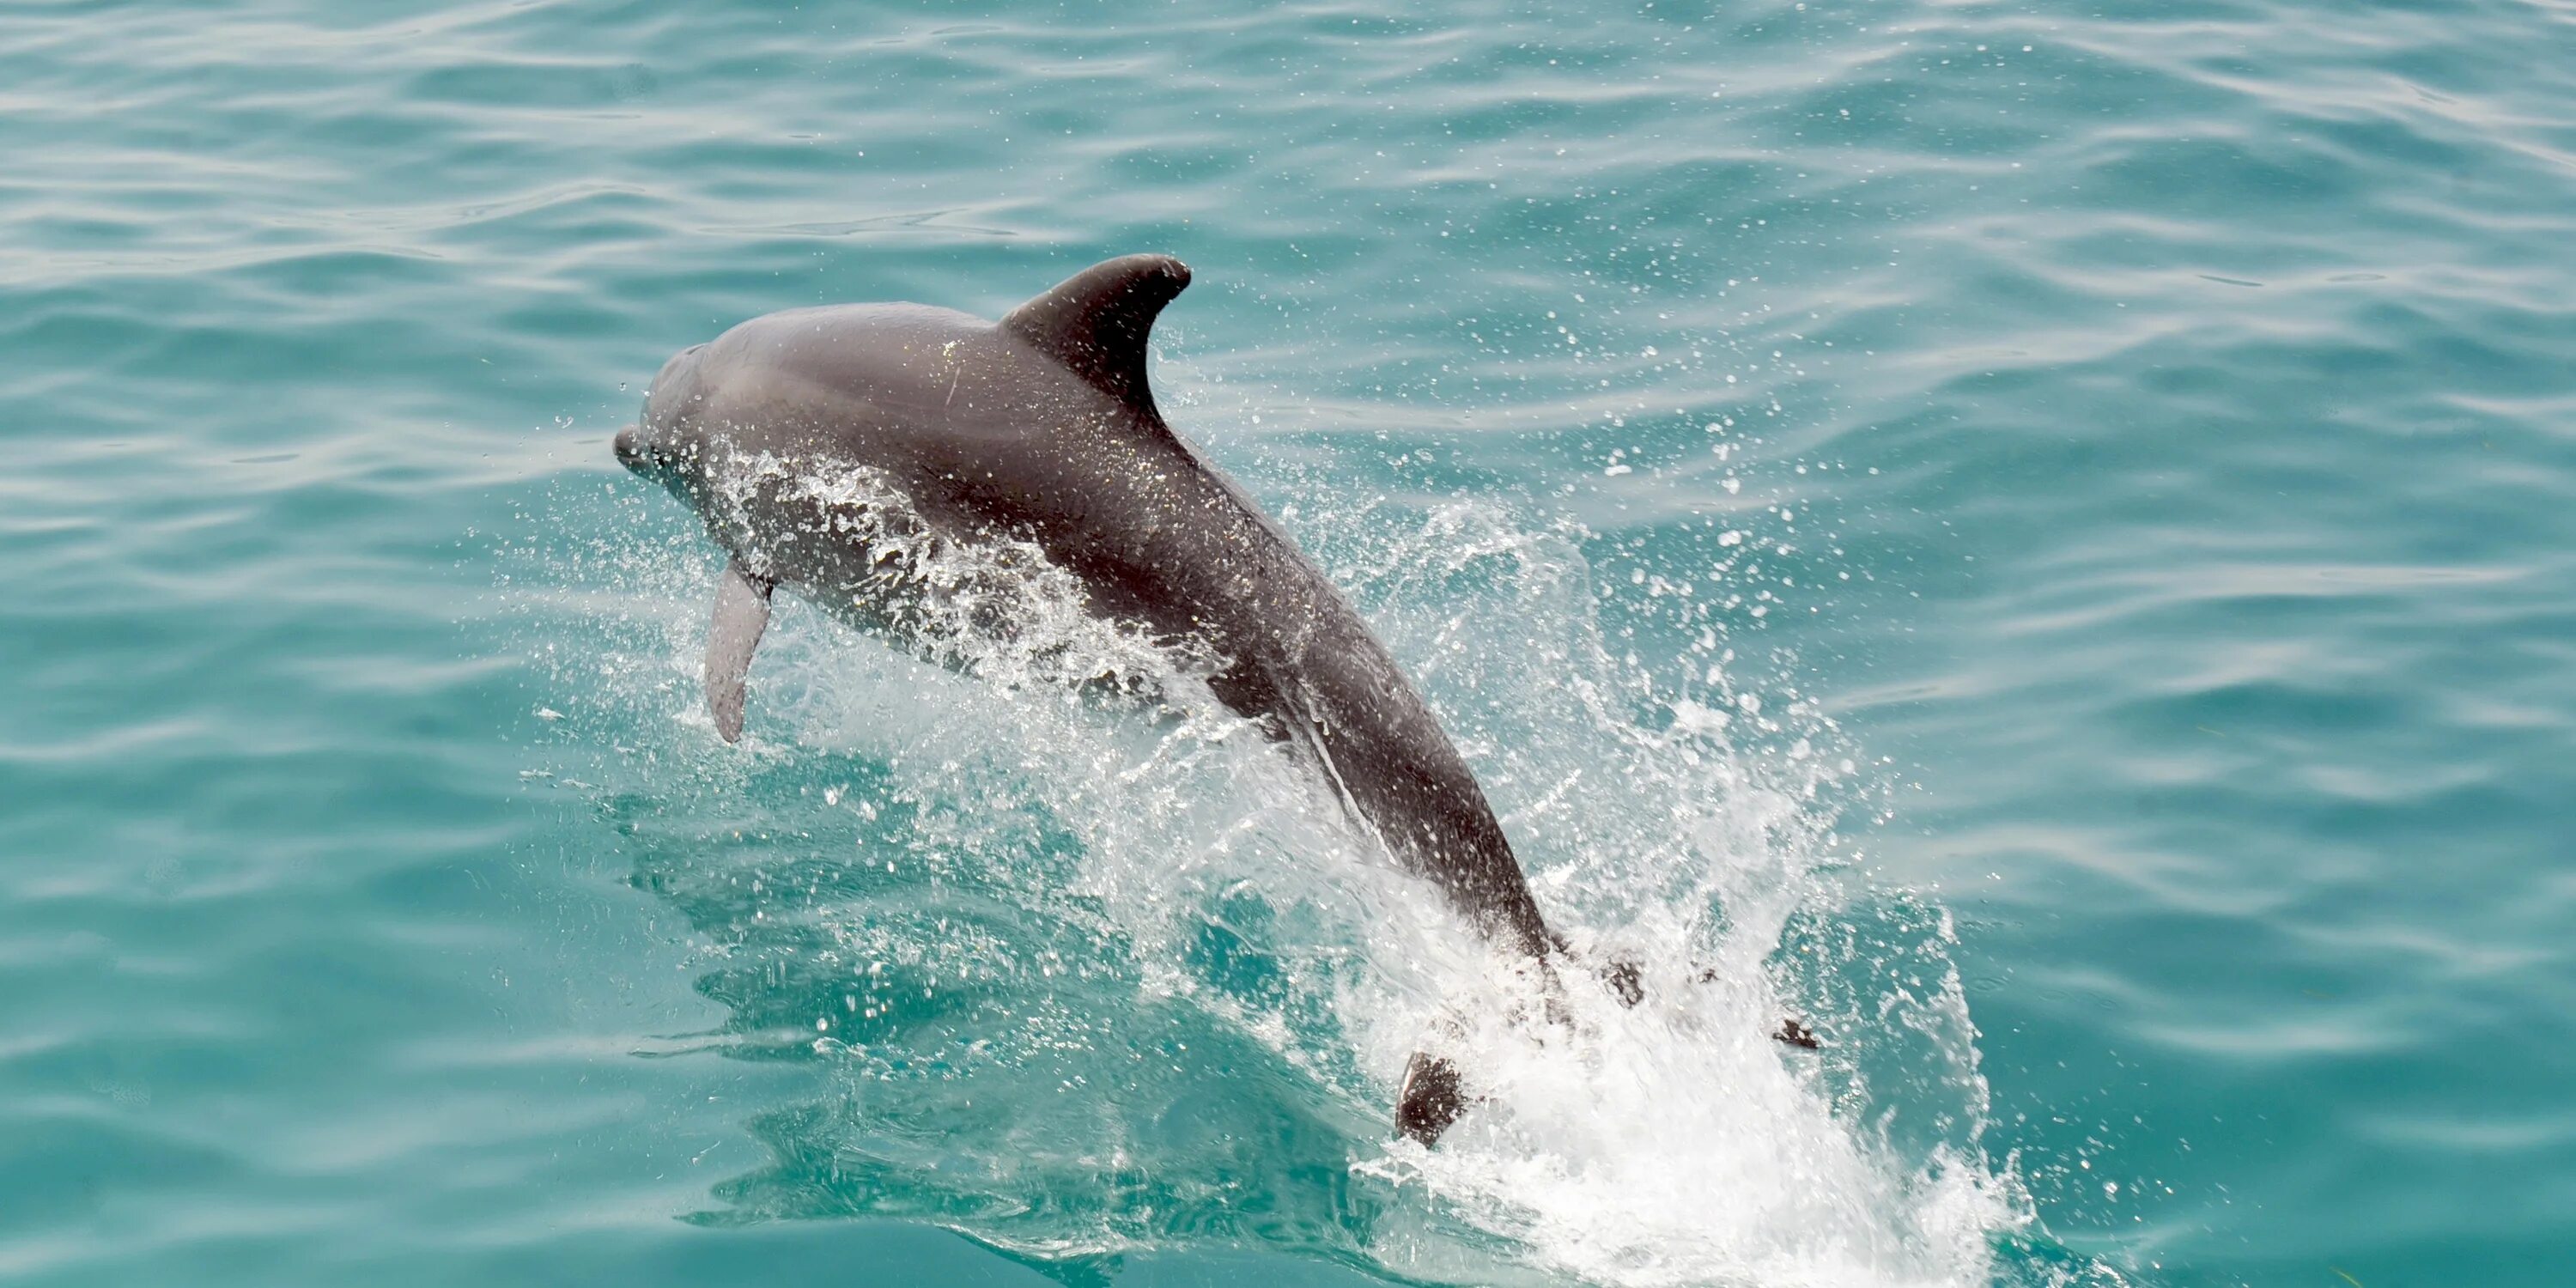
(1688, 829)
(995, 608)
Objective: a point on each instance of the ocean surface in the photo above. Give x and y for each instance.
(2038, 536)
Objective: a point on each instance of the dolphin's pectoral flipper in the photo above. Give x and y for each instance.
(1430, 1100)
(1097, 321)
(742, 613)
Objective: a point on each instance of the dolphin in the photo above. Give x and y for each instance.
(1040, 431)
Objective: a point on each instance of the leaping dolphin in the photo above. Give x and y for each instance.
(1040, 429)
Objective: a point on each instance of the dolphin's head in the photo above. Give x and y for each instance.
(666, 444)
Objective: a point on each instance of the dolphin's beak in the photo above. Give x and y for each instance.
(629, 453)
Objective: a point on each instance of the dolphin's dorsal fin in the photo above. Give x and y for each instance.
(1096, 322)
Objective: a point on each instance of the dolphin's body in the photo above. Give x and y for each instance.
(1040, 429)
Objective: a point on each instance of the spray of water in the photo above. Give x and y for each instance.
(1094, 976)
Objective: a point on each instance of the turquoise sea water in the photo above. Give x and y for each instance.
(2040, 536)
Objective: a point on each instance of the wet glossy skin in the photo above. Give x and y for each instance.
(1042, 428)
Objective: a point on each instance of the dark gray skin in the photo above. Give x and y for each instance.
(1040, 428)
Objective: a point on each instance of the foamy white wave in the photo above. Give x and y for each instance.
(1674, 1143)
(1688, 828)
